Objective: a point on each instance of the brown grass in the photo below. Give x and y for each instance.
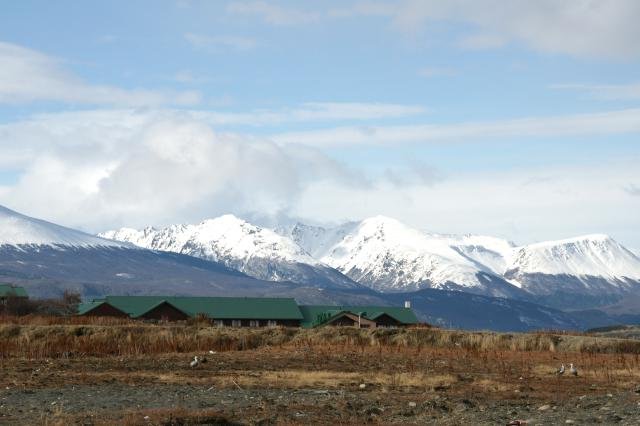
(46, 337)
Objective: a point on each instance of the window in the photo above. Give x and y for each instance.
(218, 323)
(236, 323)
(254, 323)
(272, 323)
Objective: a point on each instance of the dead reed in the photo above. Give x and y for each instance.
(43, 337)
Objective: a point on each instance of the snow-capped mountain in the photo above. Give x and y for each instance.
(20, 230)
(592, 265)
(255, 251)
(47, 259)
(386, 255)
(389, 256)
(590, 255)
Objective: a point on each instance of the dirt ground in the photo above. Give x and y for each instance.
(323, 385)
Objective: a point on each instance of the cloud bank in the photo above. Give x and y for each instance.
(101, 169)
(109, 168)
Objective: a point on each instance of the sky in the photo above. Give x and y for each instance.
(512, 118)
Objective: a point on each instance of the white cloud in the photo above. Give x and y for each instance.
(583, 28)
(27, 75)
(220, 42)
(611, 122)
(599, 28)
(273, 14)
(608, 92)
(110, 168)
(103, 169)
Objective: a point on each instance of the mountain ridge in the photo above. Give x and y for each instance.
(256, 251)
(386, 255)
(47, 266)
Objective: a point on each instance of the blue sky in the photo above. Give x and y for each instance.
(514, 118)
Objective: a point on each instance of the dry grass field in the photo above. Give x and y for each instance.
(81, 371)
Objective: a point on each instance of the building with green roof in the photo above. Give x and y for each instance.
(222, 311)
(247, 311)
(360, 316)
(10, 290)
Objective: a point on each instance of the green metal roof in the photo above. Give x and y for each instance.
(315, 315)
(213, 307)
(85, 307)
(8, 289)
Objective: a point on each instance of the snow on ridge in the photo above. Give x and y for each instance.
(397, 256)
(388, 255)
(595, 255)
(394, 257)
(223, 236)
(19, 230)
(572, 240)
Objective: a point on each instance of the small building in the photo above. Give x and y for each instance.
(357, 316)
(8, 291)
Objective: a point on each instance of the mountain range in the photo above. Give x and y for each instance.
(255, 251)
(387, 256)
(460, 281)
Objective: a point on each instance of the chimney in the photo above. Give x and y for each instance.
(407, 304)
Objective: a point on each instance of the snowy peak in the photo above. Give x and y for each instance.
(259, 252)
(591, 255)
(387, 255)
(316, 240)
(20, 230)
(214, 239)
